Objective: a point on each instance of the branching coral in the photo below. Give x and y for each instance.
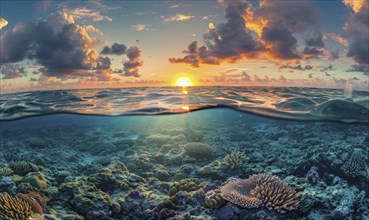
(35, 200)
(276, 195)
(198, 150)
(355, 165)
(213, 199)
(5, 171)
(234, 160)
(12, 208)
(22, 168)
(261, 190)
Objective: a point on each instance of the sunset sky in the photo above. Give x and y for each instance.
(85, 44)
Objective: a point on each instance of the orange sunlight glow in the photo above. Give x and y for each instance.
(183, 82)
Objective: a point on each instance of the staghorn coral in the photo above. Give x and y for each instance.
(12, 208)
(276, 195)
(213, 199)
(35, 200)
(22, 168)
(261, 190)
(263, 178)
(234, 160)
(198, 150)
(355, 165)
(5, 171)
(188, 185)
(239, 192)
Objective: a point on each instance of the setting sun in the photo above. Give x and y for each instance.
(184, 82)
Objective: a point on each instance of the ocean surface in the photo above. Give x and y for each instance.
(185, 153)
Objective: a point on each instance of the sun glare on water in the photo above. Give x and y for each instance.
(184, 82)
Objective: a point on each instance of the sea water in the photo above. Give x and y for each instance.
(161, 153)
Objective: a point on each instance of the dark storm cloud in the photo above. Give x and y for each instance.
(130, 67)
(115, 49)
(357, 29)
(11, 71)
(327, 68)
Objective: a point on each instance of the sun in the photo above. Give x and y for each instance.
(184, 82)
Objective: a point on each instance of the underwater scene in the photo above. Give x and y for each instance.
(184, 110)
(223, 162)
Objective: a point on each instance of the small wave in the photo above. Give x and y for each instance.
(286, 103)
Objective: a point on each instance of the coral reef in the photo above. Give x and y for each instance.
(355, 166)
(234, 160)
(186, 185)
(198, 150)
(5, 171)
(213, 199)
(12, 208)
(276, 195)
(22, 168)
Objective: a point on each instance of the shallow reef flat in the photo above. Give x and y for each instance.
(212, 164)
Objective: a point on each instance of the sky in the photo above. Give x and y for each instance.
(106, 44)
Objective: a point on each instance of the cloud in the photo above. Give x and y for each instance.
(355, 5)
(115, 49)
(312, 52)
(84, 12)
(316, 41)
(359, 68)
(3, 23)
(12, 71)
(275, 23)
(245, 77)
(337, 38)
(63, 48)
(328, 68)
(179, 17)
(295, 67)
(130, 67)
(357, 29)
(139, 27)
(226, 42)
(211, 26)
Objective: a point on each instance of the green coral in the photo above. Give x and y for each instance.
(5, 171)
(22, 168)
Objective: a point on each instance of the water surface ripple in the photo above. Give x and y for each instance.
(287, 103)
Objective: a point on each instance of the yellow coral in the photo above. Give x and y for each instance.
(5, 171)
(213, 199)
(12, 208)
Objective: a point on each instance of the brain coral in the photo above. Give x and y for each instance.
(261, 190)
(12, 208)
(198, 150)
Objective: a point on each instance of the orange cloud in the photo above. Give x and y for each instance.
(179, 17)
(3, 23)
(337, 38)
(356, 5)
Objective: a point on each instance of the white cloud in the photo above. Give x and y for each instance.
(140, 27)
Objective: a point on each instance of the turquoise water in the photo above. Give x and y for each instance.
(124, 154)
